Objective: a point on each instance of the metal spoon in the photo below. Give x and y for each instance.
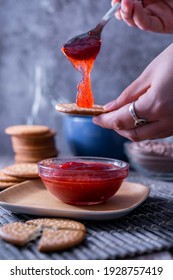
(88, 44)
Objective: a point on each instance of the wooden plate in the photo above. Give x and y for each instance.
(31, 197)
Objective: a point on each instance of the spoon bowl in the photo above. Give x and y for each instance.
(88, 44)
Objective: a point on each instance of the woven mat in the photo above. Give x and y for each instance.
(149, 228)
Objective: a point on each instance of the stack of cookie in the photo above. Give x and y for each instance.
(32, 143)
(17, 173)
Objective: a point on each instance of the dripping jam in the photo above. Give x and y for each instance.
(82, 54)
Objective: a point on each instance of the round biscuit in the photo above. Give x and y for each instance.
(72, 108)
(57, 223)
(4, 185)
(33, 138)
(56, 240)
(26, 130)
(18, 233)
(34, 158)
(6, 178)
(34, 150)
(22, 170)
(29, 138)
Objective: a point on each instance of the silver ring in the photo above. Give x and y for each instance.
(138, 121)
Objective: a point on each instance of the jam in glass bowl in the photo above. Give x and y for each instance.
(82, 180)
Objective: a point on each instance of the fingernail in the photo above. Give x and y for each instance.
(113, 2)
(123, 7)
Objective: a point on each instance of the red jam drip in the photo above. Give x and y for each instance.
(82, 54)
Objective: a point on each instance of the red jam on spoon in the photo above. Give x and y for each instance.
(82, 51)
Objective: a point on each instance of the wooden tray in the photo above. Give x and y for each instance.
(31, 197)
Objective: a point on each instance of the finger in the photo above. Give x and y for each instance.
(131, 93)
(148, 131)
(117, 120)
(122, 119)
(142, 19)
(114, 1)
(127, 12)
(118, 15)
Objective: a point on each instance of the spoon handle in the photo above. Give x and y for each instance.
(111, 12)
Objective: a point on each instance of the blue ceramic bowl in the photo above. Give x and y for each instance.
(87, 139)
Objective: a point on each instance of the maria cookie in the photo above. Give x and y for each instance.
(57, 240)
(19, 233)
(72, 108)
(22, 170)
(57, 223)
(55, 234)
(27, 130)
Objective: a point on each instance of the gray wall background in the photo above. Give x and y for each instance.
(32, 33)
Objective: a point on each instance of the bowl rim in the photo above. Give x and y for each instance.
(125, 165)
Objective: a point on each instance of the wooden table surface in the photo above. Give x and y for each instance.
(162, 255)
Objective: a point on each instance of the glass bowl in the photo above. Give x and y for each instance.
(148, 162)
(82, 180)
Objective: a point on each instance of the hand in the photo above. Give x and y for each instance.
(150, 15)
(153, 96)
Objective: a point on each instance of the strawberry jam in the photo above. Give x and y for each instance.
(82, 182)
(82, 54)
